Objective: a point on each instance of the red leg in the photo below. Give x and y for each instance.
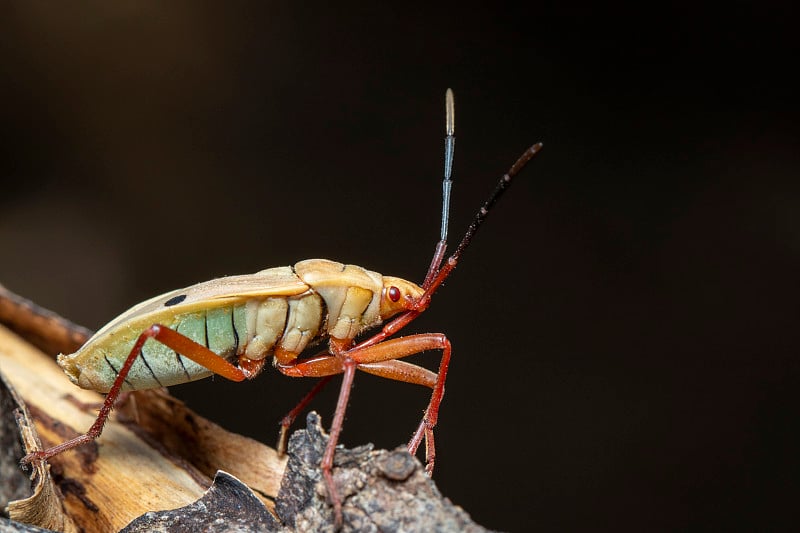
(432, 413)
(380, 359)
(326, 365)
(389, 329)
(396, 370)
(403, 347)
(288, 420)
(401, 371)
(404, 373)
(336, 429)
(181, 344)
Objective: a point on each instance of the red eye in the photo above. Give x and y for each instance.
(393, 293)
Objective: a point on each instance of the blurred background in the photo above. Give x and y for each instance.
(624, 327)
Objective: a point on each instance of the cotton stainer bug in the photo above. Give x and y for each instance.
(230, 326)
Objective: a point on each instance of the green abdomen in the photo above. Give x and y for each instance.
(96, 365)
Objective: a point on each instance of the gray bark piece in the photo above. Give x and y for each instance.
(228, 506)
(381, 490)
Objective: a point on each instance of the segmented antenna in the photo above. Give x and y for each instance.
(437, 272)
(435, 278)
(500, 188)
(449, 149)
(447, 184)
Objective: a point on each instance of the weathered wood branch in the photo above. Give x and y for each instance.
(157, 465)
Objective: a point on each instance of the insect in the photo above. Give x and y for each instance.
(231, 326)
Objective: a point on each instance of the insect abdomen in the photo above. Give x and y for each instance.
(160, 366)
(96, 364)
(251, 329)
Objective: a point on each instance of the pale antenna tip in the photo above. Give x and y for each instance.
(450, 108)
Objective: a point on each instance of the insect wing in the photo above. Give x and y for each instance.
(230, 290)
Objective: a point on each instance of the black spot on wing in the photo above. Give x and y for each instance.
(175, 300)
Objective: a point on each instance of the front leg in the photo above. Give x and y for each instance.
(380, 359)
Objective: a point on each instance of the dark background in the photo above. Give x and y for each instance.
(625, 326)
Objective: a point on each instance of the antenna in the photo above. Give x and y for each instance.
(449, 150)
(437, 272)
(447, 184)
